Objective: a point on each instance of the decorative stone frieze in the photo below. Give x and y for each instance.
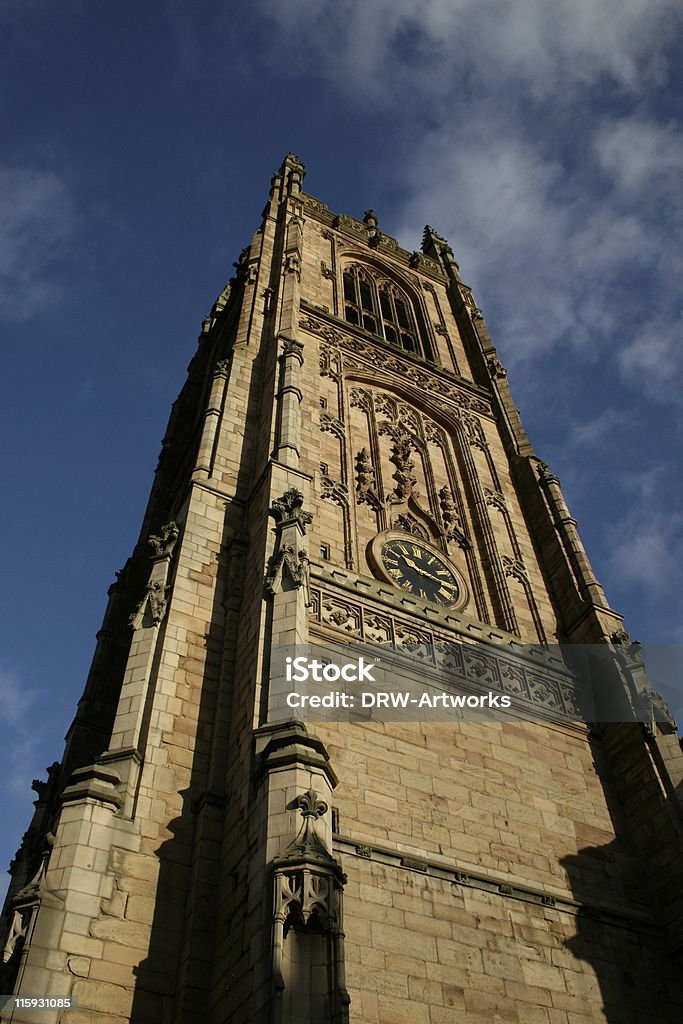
(357, 352)
(475, 664)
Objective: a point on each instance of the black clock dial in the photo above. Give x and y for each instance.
(419, 571)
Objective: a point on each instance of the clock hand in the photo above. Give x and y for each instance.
(422, 572)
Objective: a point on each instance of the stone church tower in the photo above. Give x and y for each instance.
(345, 463)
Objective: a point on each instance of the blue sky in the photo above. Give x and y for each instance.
(544, 140)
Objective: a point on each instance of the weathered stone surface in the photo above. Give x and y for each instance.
(517, 871)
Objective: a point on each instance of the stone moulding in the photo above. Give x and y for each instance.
(512, 890)
(551, 691)
(354, 351)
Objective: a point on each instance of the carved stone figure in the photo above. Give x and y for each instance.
(163, 545)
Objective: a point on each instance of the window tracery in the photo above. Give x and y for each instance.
(379, 306)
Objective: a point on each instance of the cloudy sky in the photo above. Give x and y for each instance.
(543, 138)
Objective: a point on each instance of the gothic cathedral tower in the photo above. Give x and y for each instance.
(345, 463)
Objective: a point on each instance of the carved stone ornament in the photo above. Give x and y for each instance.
(308, 884)
(654, 710)
(17, 935)
(408, 522)
(452, 523)
(287, 509)
(546, 475)
(432, 240)
(295, 162)
(494, 499)
(46, 790)
(293, 264)
(245, 272)
(450, 390)
(333, 425)
(164, 544)
(349, 224)
(330, 362)
(153, 603)
(515, 568)
(541, 690)
(419, 261)
(496, 368)
(307, 841)
(334, 491)
(365, 480)
(406, 481)
(296, 565)
(291, 348)
(26, 901)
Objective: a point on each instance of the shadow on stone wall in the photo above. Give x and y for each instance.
(620, 932)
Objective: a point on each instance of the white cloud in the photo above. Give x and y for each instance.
(15, 697)
(557, 210)
(531, 234)
(647, 543)
(653, 357)
(542, 47)
(22, 754)
(649, 547)
(638, 152)
(608, 429)
(38, 222)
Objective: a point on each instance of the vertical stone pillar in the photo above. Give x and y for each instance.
(288, 582)
(289, 398)
(212, 418)
(565, 524)
(308, 926)
(127, 740)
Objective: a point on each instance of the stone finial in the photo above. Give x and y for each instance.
(308, 843)
(292, 161)
(293, 172)
(371, 222)
(434, 244)
(288, 509)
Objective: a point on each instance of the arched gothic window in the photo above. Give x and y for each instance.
(379, 306)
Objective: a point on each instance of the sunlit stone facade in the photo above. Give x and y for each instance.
(203, 854)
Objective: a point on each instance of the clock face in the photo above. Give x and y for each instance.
(420, 571)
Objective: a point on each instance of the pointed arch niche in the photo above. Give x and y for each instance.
(407, 475)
